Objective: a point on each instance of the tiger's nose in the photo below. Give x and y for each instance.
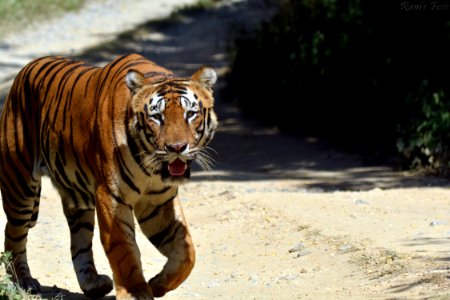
(176, 148)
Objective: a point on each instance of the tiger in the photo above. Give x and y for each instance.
(117, 142)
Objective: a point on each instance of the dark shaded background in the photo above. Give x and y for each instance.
(368, 76)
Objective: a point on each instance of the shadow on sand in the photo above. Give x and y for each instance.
(246, 150)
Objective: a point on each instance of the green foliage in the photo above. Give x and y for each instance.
(8, 289)
(347, 70)
(16, 14)
(425, 138)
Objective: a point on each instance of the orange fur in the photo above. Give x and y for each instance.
(117, 140)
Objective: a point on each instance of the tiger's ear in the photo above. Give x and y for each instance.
(134, 80)
(206, 76)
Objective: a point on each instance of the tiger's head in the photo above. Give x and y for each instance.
(172, 122)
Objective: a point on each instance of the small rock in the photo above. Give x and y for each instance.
(303, 253)
(253, 279)
(346, 248)
(436, 223)
(227, 195)
(299, 247)
(289, 277)
(361, 202)
(213, 283)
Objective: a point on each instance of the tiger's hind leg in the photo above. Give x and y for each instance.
(20, 196)
(81, 223)
(166, 228)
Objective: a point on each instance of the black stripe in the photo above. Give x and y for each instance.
(148, 135)
(72, 195)
(77, 161)
(61, 169)
(118, 199)
(61, 151)
(134, 150)
(68, 103)
(91, 167)
(71, 219)
(158, 238)
(166, 236)
(25, 212)
(63, 81)
(155, 211)
(129, 226)
(46, 115)
(34, 216)
(18, 152)
(81, 181)
(9, 189)
(79, 226)
(61, 64)
(205, 111)
(17, 222)
(82, 250)
(20, 253)
(124, 170)
(208, 118)
(47, 73)
(86, 87)
(164, 190)
(16, 239)
(85, 195)
(25, 192)
(154, 74)
(180, 91)
(105, 75)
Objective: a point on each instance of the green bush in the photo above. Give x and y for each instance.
(8, 289)
(351, 71)
(425, 139)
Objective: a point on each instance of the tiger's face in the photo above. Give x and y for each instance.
(173, 122)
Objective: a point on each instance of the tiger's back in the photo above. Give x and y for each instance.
(56, 100)
(76, 123)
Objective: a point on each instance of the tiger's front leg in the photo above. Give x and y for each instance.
(167, 229)
(81, 223)
(116, 225)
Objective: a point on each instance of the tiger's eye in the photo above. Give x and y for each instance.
(157, 117)
(190, 113)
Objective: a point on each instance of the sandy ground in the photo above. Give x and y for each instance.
(279, 217)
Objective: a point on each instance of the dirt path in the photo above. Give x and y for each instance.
(282, 218)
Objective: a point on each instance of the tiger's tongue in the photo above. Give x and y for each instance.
(177, 167)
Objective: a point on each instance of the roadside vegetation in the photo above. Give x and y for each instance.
(8, 289)
(369, 76)
(16, 15)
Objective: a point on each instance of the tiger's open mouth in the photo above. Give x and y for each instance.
(177, 167)
(177, 170)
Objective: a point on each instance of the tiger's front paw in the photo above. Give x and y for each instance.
(99, 287)
(158, 289)
(142, 292)
(29, 284)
